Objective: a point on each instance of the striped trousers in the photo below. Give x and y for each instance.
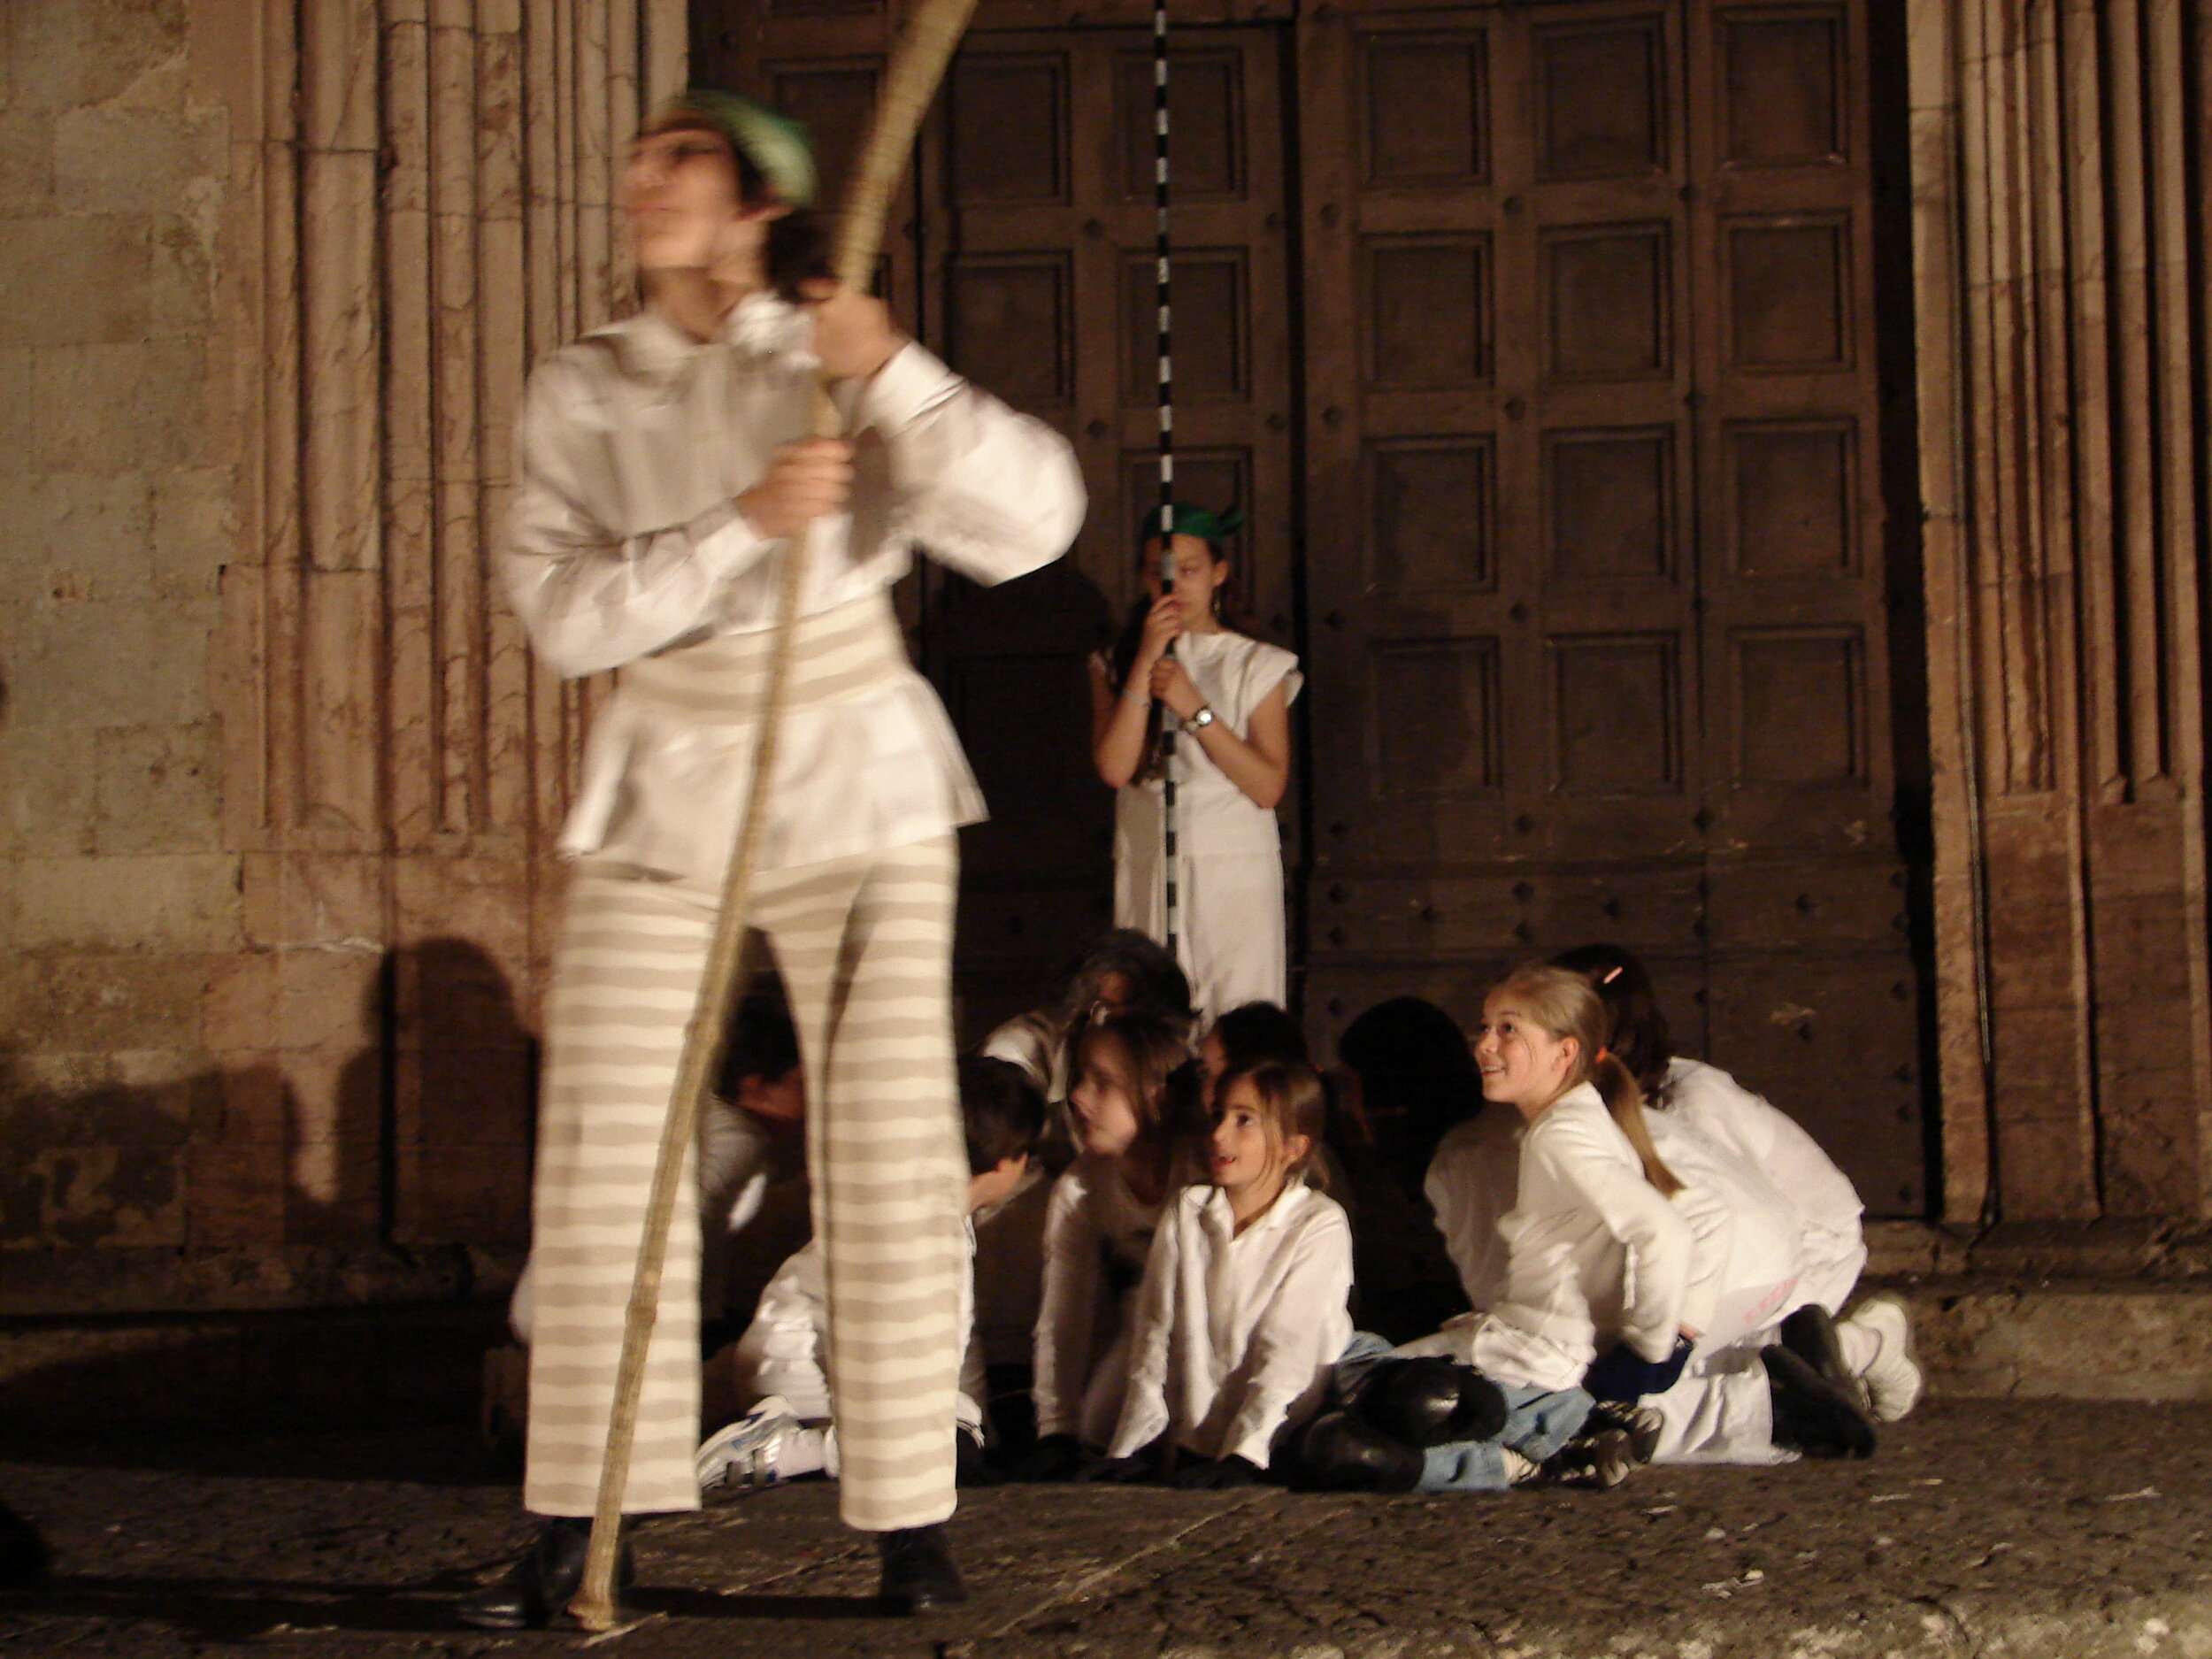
(865, 946)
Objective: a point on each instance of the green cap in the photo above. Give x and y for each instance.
(772, 140)
(1202, 522)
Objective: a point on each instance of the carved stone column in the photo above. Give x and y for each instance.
(421, 205)
(2061, 306)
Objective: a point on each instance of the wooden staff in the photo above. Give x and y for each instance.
(910, 84)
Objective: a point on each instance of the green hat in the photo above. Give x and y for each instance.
(1202, 522)
(773, 142)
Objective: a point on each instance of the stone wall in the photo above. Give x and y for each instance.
(2062, 329)
(278, 776)
(116, 507)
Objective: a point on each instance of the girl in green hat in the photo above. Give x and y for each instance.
(1229, 696)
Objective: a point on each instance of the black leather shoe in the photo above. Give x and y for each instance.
(1344, 1453)
(535, 1591)
(1812, 1414)
(917, 1570)
(24, 1556)
(1810, 1334)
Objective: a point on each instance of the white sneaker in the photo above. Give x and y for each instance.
(744, 1453)
(1893, 1376)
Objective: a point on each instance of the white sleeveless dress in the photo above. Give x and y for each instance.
(1229, 849)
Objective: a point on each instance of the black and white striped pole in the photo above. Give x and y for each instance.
(1172, 894)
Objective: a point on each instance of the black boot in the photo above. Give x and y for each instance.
(1342, 1452)
(1810, 1334)
(1812, 1414)
(1431, 1402)
(24, 1556)
(917, 1570)
(535, 1591)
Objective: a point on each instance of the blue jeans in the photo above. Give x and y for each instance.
(1537, 1421)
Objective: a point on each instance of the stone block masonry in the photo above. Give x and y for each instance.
(115, 519)
(277, 781)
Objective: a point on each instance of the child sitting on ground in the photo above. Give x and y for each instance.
(791, 1429)
(1243, 1308)
(1135, 1109)
(1597, 1254)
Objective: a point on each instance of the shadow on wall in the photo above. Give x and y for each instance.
(326, 1233)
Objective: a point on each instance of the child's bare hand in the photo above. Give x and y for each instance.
(1163, 626)
(1171, 684)
(806, 481)
(854, 335)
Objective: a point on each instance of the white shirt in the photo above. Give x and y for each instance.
(1591, 1249)
(1036, 1042)
(1237, 1331)
(1752, 1258)
(785, 1350)
(625, 541)
(1234, 673)
(1770, 1140)
(1094, 1228)
(1473, 1181)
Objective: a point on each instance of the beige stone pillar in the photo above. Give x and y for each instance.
(2060, 307)
(420, 205)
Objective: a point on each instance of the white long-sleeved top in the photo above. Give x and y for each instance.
(1094, 1227)
(1473, 1181)
(785, 1350)
(626, 540)
(1592, 1248)
(1236, 1332)
(1825, 1202)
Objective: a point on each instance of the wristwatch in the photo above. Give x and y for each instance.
(1200, 721)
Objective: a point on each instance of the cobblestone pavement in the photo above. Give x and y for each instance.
(2015, 1529)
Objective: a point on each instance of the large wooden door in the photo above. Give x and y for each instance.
(1039, 191)
(1600, 646)
(1563, 406)
(1022, 251)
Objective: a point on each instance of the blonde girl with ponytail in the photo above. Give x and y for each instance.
(1597, 1254)
(1600, 1255)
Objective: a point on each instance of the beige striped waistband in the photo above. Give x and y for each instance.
(835, 655)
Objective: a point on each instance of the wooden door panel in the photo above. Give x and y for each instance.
(1611, 660)
(1062, 234)
(1592, 517)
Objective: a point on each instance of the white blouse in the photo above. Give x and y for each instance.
(1724, 1111)
(1473, 1181)
(1592, 1248)
(1234, 673)
(1094, 1226)
(1236, 1332)
(625, 541)
(785, 1350)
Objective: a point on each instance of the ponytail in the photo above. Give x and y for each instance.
(1617, 1087)
(1564, 1004)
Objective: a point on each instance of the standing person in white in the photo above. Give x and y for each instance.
(1230, 697)
(661, 464)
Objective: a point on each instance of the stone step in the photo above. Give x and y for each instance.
(2109, 1313)
(375, 1366)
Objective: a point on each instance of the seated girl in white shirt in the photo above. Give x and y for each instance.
(1798, 1252)
(1243, 1310)
(783, 1356)
(1593, 1250)
(1135, 1100)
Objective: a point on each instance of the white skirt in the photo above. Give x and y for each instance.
(1231, 940)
